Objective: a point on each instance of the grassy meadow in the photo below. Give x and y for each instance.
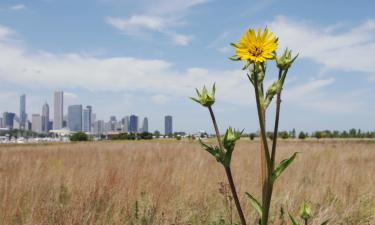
(176, 182)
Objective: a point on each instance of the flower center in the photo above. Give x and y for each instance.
(257, 51)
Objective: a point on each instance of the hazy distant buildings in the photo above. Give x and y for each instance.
(168, 125)
(98, 127)
(8, 118)
(23, 115)
(75, 117)
(36, 123)
(1, 122)
(45, 118)
(133, 124)
(145, 125)
(87, 119)
(125, 124)
(58, 110)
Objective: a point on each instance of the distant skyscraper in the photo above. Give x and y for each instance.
(36, 123)
(58, 110)
(113, 122)
(23, 115)
(75, 117)
(8, 119)
(125, 124)
(133, 124)
(87, 119)
(98, 127)
(87, 116)
(168, 125)
(45, 118)
(145, 125)
(1, 122)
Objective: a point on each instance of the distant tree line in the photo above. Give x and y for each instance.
(16, 133)
(352, 133)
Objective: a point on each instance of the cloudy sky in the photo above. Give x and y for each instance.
(146, 57)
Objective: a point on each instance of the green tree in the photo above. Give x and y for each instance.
(79, 136)
(252, 136)
(301, 135)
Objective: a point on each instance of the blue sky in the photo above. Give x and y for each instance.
(146, 57)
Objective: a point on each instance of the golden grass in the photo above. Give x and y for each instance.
(175, 182)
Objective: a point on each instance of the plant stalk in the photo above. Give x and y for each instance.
(228, 170)
(266, 164)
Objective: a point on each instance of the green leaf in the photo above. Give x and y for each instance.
(213, 150)
(234, 45)
(235, 58)
(325, 222)
(293, 220)
(255, 204)
(196, 100)
(282, 166)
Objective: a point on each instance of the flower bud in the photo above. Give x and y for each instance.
(204, 98)
(285, 61)
(305, 211)
(229, 141)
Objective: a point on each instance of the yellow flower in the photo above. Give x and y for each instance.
(256, 47)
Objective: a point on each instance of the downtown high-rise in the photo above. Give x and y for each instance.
(133, 124)
(45, 118)
(75, 117)
(145, 125)
(58, 110)
(168, 125)
(87, 119)
(23, 115)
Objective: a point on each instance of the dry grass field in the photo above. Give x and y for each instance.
(175, 182)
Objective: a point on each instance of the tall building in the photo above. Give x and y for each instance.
(45, 118)
(125, 124)
(168, 125)
(145, 125)
(8, 119)
(23, 115)
(98, 127)
(113, 122)
(87, 119)
(1, 122)
(36, 123)
(75, 117)
(133, 124)
(58, 110)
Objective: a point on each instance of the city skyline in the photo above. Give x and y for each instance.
(77, 118)
(144, 58)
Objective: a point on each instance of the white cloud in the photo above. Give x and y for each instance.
(140, 24)
(180, 39)
(40, 69)
(137, 22)
(5, 33)
(302, 91)
(160, 16)
(18, 7)
(160, 99)
(351, 50)
(172, 7)
(70, 95)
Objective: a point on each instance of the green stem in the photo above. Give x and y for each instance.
(267, 183)
(261, 118)
(276, 127)
(228, 170)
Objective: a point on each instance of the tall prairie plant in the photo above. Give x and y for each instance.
(255, 49)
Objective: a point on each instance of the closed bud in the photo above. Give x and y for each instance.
(229, 141)
(285, 61)
(305, 211)
(205, 98)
